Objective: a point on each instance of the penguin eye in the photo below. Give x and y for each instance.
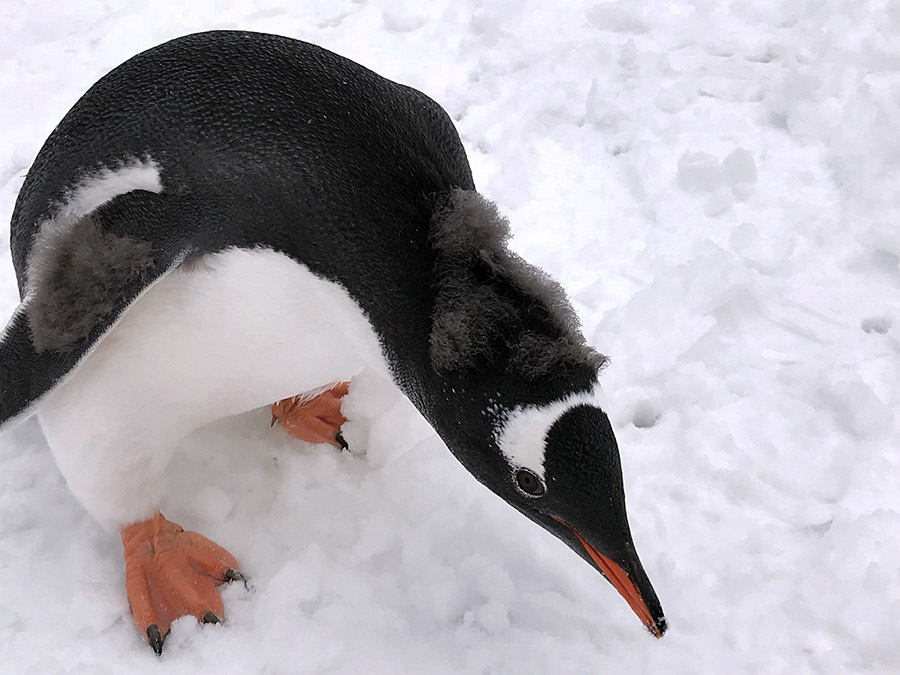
(529, 483)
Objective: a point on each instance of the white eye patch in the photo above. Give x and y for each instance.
(522, 433)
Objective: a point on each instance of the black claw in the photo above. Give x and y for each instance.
(209, 617)
(234, 575)
(339, 437)
(155, 639)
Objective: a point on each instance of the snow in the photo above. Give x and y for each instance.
(716, 187)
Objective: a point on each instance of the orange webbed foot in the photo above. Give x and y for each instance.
(317, 419)
(170, 573)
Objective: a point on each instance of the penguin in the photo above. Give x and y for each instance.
(230, 218)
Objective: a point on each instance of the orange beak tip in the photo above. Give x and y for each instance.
(623, 584)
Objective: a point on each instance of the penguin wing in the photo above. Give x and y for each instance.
(82, 276)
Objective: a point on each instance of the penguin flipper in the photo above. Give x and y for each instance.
(82, 277)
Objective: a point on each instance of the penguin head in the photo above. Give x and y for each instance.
(508, 383)
(562, 470)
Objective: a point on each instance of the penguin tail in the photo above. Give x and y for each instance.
(82, 276)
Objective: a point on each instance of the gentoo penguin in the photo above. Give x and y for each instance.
(231, 218)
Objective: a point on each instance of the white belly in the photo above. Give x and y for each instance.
(235, 331)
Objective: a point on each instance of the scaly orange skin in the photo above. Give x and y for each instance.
(170, 573)
(317, 420)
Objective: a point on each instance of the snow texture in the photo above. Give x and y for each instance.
(716, 186)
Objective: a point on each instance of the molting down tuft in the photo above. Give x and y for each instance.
(490, 303)
(78, 275)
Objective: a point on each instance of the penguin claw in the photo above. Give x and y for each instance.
(235, 575)
(339, 437)
(209, 617)
(155, 639)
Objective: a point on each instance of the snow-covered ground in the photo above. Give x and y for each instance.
(716, 184)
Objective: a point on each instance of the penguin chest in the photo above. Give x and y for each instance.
(227, 333)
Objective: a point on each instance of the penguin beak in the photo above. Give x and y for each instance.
(635, 588)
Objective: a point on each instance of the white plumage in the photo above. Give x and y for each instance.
(228, 333)
(523, 433)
